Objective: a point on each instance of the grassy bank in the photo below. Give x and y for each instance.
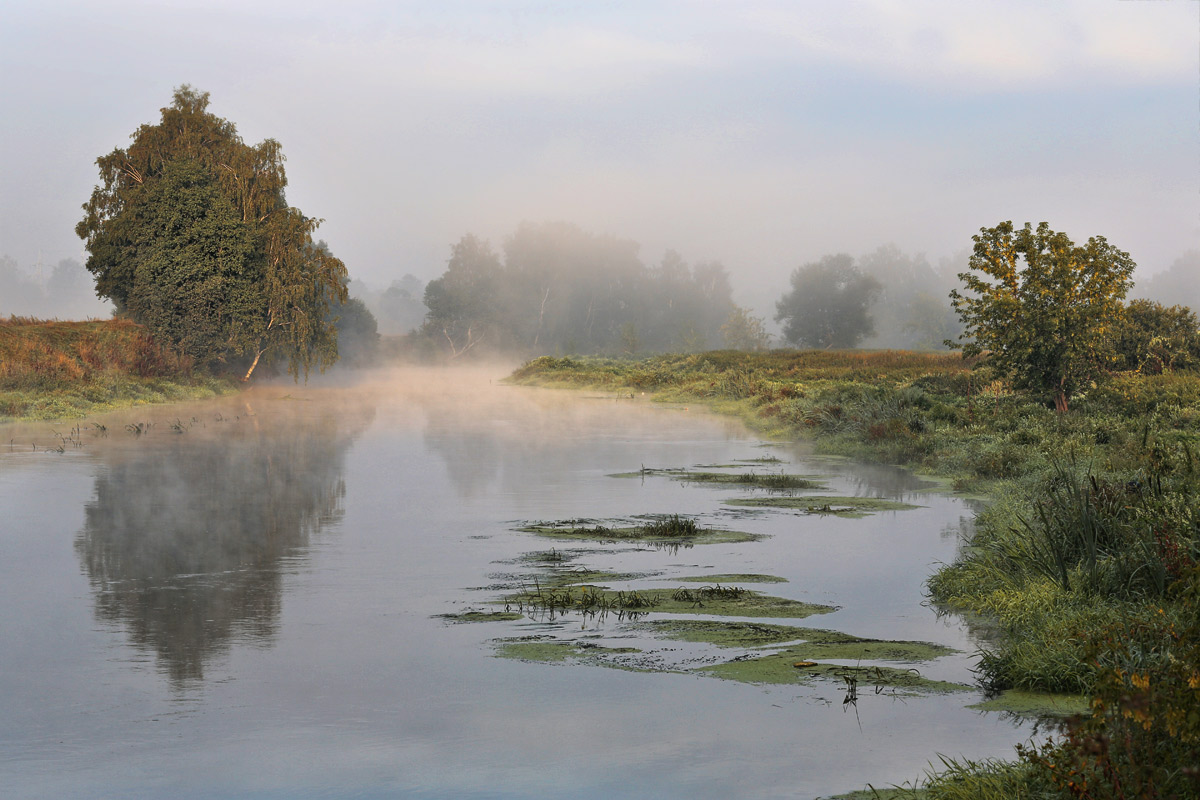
(1085, 561)
(65, 370)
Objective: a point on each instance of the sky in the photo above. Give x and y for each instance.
(760, 134)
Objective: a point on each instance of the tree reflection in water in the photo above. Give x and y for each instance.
(187, 537)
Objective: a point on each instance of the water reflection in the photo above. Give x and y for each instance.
(187, 536)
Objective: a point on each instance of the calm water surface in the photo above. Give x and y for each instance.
(249, 608)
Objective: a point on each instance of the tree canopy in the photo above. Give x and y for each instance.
(828, 304)
(190, 233)
(1042, 309)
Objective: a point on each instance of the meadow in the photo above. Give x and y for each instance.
(1084, 562)
(68, 370)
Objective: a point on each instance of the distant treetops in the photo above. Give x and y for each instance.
(557, 289)
(190, 234)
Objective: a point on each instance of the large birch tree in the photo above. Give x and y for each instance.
(190, 233)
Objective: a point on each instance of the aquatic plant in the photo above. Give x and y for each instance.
(673, 526)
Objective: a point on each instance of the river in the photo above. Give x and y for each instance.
(244, 597)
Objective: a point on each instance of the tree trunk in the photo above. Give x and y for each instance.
(1060, 401)
(253, 364)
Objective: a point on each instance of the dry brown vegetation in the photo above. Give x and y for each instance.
(52, 369)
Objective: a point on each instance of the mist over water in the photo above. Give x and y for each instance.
(247, 607)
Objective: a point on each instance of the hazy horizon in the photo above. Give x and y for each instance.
(762, 136)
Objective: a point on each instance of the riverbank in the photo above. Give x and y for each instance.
(1086, 561)
(68, 370)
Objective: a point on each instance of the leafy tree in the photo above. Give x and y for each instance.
(1154, 338)
(911, 310)
(828, 303)
(357, 332)
(195, 281)
(1041, 308)
(744, 331)
(462, 303)
(190, 188)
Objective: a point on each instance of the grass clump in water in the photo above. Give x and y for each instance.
(673, 528)
(539, 599)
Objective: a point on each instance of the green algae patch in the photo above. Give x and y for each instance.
(817, 643)
(718, 602)
(725, 634)
(551, 651)
(745, 604)
(776, 481)
(853, 507)
(1036, 705)
(672, 529)
(732, 577)
(481, 616)
(755, 480)
(791, 666)
(591, 577)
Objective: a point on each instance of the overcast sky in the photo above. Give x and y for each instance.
(762, 134)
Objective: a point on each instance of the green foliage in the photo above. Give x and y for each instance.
(196, 281)
(357, 333)
(1153, 338)
(1143, 735)
(190, 232)
(744, 331)
(827, 305)
(1042, 309)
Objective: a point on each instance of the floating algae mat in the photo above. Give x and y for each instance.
(733, 577)
(1036, 705)
(798, 663)
(817, 643)
(672, 528)
(716, 601)
(853, 507)
(792, 665)
(753, 480)
(549, 650)
(559, 578)
(482, 616)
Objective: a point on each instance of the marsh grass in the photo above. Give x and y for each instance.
(1083, 563)
(671, 527)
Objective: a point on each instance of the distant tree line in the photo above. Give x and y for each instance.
(555, 288)
(63, 291)
(885, 299)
